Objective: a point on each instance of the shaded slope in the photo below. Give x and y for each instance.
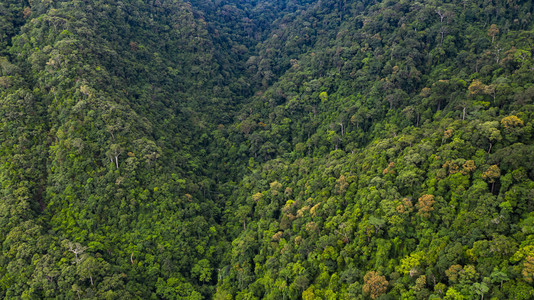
(390, 158)
(105, 110)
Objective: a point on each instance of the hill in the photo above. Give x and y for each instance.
(266, 149)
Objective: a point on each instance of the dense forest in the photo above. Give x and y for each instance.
(230, 149)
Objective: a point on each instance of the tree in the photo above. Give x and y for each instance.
(528, 269)
(377, 223)
(76, 249)
(202, 270)
(375, 284)
(89, 267)
(453, 273)
(480, 289)
(511, 122)
(114, 152)
(489, 129)
(476, 87)
(412, 264)
(242, 213)
(425, 205)
(499, 277)
(323, 96)
(493, 31)
(492, 174)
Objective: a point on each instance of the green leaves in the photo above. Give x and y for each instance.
(202, 270)
(265, 149)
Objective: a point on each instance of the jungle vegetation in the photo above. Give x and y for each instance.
(303, 149)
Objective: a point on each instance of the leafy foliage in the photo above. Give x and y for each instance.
(266, 149)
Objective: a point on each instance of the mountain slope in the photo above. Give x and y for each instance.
(100, 167)
(391, 158)
(266, 149)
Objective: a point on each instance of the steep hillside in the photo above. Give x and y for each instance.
(104, 190)
(391, 158)
(266, 149)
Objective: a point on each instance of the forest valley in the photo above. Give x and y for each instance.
(266, 149)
